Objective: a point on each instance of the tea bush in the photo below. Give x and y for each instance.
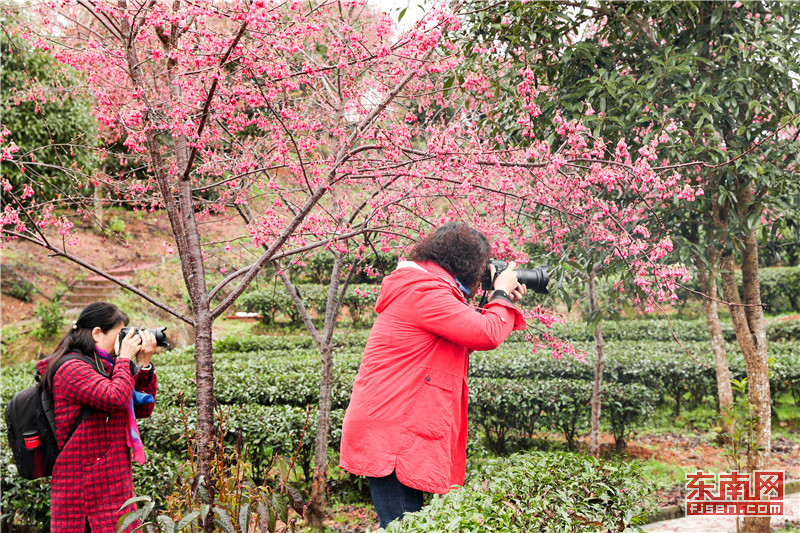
(254, 343)
(625, 405)
(267, 430)
(543, 492)
(267, 385)
(780, 288)
(358, 299)
(659, 330)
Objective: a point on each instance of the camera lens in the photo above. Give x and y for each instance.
(535, 279)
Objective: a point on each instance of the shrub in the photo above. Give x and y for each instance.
(783, 330)
(267, 430)
(659, 330)
(283, 343)
(785, 370)
(542, 492)
(266, 303)
(508, 409)
(157, 476)
(504, 409)
(51, 316)
(780, 288)
(253, 343)
(116, 226)
(566, 406)
(624, 406)
(359, 299)
(15, 285)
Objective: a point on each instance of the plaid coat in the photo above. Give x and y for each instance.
(92, 476)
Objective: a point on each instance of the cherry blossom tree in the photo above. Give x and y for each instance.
(321, 129)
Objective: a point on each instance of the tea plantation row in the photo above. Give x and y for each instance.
(267, 388)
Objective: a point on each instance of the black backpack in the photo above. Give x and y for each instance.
(31, 422)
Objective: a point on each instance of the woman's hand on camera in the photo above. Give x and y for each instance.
(507, 279)
(148, 348)
(130, 346)
(517, 294)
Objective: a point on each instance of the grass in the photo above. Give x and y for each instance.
(788, 419)
(704, 419)
(663, 475)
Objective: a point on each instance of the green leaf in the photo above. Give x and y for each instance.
(223, 520)
(127, 519)
(134, 500)
(204, 509)
(244, 518)
(186, 520)
(280, 506)
(166, 523)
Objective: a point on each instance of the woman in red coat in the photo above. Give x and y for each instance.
(406, 425)
(92, 476)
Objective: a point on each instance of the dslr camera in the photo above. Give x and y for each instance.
(158, 333)
(535, 279)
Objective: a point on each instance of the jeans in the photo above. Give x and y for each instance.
(392, 499)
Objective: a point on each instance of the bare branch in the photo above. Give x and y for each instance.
(100, 272)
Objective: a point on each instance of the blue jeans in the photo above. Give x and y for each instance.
(392, 499)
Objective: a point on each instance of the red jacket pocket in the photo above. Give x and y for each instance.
(430, 413)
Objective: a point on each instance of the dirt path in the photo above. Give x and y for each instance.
(724, 524)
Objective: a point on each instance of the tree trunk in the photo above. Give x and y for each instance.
(748, 322)
(594, 446)
(204, 436)
(316, 506)
(708, 286)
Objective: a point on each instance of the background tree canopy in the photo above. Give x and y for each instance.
(54, 129)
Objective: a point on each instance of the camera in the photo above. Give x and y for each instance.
(535, 279)
(158, 333)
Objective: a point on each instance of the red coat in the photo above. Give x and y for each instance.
(408, 411)
(92, 476)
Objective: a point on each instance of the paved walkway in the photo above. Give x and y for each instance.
(723, 524)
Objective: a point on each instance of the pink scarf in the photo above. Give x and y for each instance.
(132, 438)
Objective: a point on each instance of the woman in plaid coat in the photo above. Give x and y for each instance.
(92, 476)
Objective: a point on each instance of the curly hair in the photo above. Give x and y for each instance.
(458, 248)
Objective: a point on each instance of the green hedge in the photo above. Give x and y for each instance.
(649, 330)
(542, 492)
(514, 393)
(780, 288)
(267, 430)
(358, 299)
(659, 330)
(624, 406)
(662, 367)
(509, 411)
(282, 343)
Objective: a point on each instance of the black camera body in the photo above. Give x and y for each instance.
(535, 279)
(158, 333)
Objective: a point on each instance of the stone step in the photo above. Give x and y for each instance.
(80, 300)
(96, 288)
(87, 290)
(94, 283)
